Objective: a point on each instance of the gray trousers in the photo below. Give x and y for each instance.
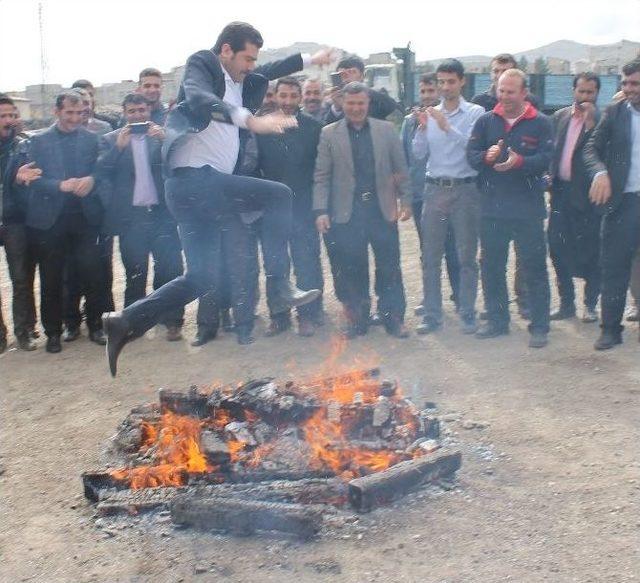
(460, 206)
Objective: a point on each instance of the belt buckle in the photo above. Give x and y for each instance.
(366, 196)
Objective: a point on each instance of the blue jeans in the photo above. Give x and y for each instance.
(198, 198)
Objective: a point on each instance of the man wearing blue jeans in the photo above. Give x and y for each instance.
(205, 135)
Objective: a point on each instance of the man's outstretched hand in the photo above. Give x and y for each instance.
(272, 123)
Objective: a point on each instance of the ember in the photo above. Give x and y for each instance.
(294, 443)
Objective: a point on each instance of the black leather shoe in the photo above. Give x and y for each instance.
(538, 340)
(53, 344)
(118, 334)
(288, 296)
(98, 336)
(564, 313)
(277, 326)
(25, 343)
(428, 326)
(376, 319)
(397, 330)
(491, 330)
(174, 333)
(608, 339)
(203, 336)
(71, 334)
(244, 337)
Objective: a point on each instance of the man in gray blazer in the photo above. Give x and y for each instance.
(360, 174)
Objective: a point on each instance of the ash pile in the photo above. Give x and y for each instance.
(270, 456)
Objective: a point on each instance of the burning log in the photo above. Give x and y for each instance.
(94, 482)
(244, 517)
(373, 490)
(191, 403)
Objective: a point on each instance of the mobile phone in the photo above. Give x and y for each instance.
(139, 128)
(336, 80)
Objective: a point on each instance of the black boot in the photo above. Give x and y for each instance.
(203, 335)
(608, 339)
(53, 344)
(118, 334)
(288, 296)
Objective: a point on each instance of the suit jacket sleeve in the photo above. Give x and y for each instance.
(400, 170)
(595, 148)
(198, 83)
(280, 68)
(109, 155)
(322, 175)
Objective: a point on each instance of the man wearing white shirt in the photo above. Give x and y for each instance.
(205, 139)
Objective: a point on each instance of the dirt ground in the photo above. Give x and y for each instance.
(548, 491)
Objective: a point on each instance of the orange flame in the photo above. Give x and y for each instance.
(176, 440)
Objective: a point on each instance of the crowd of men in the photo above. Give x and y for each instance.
(236, 164)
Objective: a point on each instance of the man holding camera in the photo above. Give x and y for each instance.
(132, 163)
(350, 70)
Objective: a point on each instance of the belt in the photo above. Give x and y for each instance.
(148, 209)
(446, 182)
(366, 196)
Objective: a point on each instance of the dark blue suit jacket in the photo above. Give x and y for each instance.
(201, 93)
(45, 201)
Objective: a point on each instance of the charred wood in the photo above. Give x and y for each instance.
(376, 489)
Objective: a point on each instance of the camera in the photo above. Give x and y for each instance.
(139, 128)
(336, 80)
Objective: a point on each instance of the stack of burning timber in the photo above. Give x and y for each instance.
(272, 456)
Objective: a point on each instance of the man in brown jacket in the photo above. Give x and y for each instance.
(360, 174)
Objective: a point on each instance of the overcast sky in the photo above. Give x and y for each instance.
(112, 40)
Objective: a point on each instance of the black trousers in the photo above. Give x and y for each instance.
(620, 241)
(21, 271)
(71, 236)
(348, 249)
(304, 247)
(235, 264)
(574, 247)
(153, 232)
(450, 252)
(529, 236)
(73, 290)
(198, 198)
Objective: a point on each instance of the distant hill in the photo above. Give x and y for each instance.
(561, 49)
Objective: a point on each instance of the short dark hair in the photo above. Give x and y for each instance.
(82, 84)
(505, 59)
(69, 95)
(587, 76)
(631, 67)
(288, 81)
(428, 79)
(149, 72)
(6, 100)
(351, 61)
(237, 35)
(135, 98)
(355, 87)
(451, 66)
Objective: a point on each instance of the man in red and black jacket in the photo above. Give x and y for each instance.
(511, 147)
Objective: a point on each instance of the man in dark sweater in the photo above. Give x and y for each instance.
(290, 158)
(13, 236)
(511, 147)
